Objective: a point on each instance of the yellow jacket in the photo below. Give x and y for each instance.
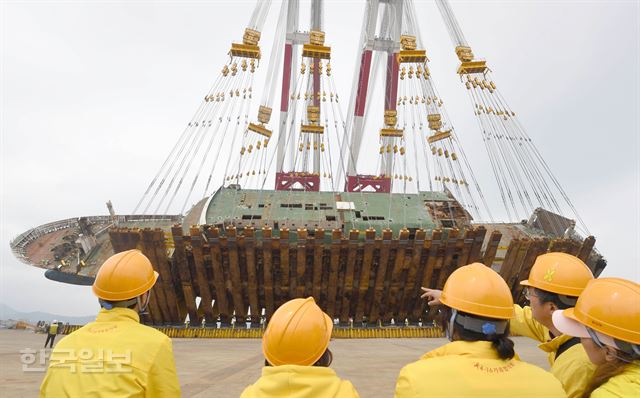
(113, 356)
(295, 381)
(473, 369)
(53, 329)
(573, 367)
(626, 384)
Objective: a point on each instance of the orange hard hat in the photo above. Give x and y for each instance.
(477, 289)
(610, 306)
(124, 275)
(297, 334)
(559, 273)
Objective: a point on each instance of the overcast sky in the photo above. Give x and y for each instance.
(94, 95)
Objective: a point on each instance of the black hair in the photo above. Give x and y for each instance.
(500, 341)
(561, 301)
(607, 370)
(324, 361)
(131, 304)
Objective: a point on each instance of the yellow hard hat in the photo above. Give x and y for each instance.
(477, 289)
(297, 334)
(124, 275)
(610, 306)
(559, 273)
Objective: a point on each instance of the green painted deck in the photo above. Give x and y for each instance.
(331, 210)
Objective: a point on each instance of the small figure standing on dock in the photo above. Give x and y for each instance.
(52, 331)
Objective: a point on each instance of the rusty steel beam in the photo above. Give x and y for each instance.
(365, 273)
(336, 235)
(347, 292)
(213, 237)
(186, 279)
(492, 248)
(201, 274)
(252, 273)
(267, 250)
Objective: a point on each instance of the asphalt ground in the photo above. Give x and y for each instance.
(224, 367)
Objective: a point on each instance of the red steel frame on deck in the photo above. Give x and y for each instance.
(360, 182)
(287, 181)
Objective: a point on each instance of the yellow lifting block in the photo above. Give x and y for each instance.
(435, 122)
(391, 132)
(472, 67)
(264, 114)
(311, 129)
(405, 56)
(408, 42)
(313, 114)
(316, 51)
(464, 53)
(316, 37)
(245, 50)
(438, 136)
(251, 37)
(390, 117)
(256, 128)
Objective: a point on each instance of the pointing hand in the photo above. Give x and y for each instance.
(433, 295)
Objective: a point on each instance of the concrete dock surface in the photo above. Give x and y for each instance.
(224, 367)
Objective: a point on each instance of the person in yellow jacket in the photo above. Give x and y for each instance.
(297, 358)
(606, 318)
(555, 282)
(115, 356)
(52, 331)
(480, 360)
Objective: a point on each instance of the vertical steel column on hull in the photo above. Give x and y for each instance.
(317, 7)
(391, 91)
(288, 80)
(366, 53)
(390, 45)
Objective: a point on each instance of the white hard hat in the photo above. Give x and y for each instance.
(54, 321)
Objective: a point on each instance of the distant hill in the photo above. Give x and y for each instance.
(8, 313)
